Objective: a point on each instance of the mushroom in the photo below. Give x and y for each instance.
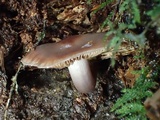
(73, 53)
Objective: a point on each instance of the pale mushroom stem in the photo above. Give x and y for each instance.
(82, 76)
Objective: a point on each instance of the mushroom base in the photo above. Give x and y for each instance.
(82, 76)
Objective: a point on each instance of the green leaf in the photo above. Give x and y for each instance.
(139, 39)
(136, 11)
(154, 13)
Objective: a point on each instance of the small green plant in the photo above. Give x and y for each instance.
(123, 22)
(130, 105)
(128, 11)
(155, 16)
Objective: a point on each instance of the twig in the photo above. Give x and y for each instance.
(41, 35)
(14, 87)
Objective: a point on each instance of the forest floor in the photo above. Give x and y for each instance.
(49, 94)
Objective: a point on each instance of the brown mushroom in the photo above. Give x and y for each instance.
(73, 53)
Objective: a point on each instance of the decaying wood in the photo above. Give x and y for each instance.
(152, 106)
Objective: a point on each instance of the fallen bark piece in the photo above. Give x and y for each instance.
(152, 106)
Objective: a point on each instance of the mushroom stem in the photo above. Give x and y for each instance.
(82, 76)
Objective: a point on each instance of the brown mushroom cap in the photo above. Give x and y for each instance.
(73, 50)
(65, 52)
